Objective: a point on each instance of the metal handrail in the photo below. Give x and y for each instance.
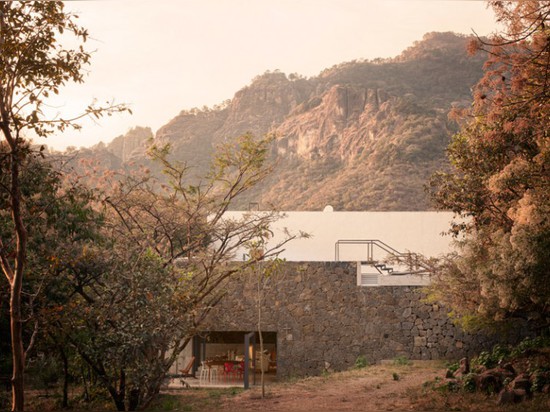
(371, 244)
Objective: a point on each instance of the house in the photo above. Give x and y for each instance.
(321, 310)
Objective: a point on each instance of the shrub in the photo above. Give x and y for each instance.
(453, 367)
(44, 372)
(361, 362)
(539, 379)
(500, 352)
(529, 344)
(493, 358)
(469, 382)
(446, 386)
(401, 361)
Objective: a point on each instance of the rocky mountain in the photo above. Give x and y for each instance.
(131, 145)
(362, 135)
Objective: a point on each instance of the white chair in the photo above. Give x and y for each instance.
(213, 374)
(204, 375)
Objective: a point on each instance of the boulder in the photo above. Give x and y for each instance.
(464, 368)
(508, 370)
(521, 382)
(506, 375)
(490, 381)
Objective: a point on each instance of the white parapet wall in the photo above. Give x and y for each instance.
(417, 232)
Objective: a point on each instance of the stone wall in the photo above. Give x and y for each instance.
(324, 321)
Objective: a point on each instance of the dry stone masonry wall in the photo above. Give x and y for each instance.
(324, 321)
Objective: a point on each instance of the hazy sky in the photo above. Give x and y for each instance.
(164, 56)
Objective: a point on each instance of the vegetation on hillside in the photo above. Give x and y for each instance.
(380, 126)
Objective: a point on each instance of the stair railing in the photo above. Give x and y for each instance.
(417, 263)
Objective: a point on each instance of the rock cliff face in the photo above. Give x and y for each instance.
(263, 105)
(338, 124)
(191, 135)
(132, 144)
(363, 135)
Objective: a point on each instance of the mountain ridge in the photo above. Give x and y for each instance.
(362, 135)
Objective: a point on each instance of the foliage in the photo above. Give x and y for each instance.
(444, 386)
(44, 372)
(493, 358)
(495, 369)
(58, 210)
(140, 291)
(401, 361)
(34, 65)
(361, 362)
(500, 353)
(122, 320)
(469, 382)
(500, 184)
(529, 344)
(539, 379)
(453, 366)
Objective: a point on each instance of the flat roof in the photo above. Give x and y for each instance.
(419, 232)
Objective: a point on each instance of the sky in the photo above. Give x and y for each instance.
(164, 56)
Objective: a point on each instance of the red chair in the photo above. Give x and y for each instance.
(239, 369)
(228, 370)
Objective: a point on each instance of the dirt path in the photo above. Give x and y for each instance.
(380, 388)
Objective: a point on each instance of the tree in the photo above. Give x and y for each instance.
(167, 249)
(264, 272)
(123, 319)
(61, 220)
(500, 184)
(33, 65)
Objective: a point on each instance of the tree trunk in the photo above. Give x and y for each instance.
(18, 354)
(85, 379)
(119, 402)
(121, 395)
(16, 325)
(262, 382)
(133, 399)
(118, 398)
(15, 274)
(65, 401)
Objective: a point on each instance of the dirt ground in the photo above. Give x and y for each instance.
(376, 388)
(387, 387)
(371, 389)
